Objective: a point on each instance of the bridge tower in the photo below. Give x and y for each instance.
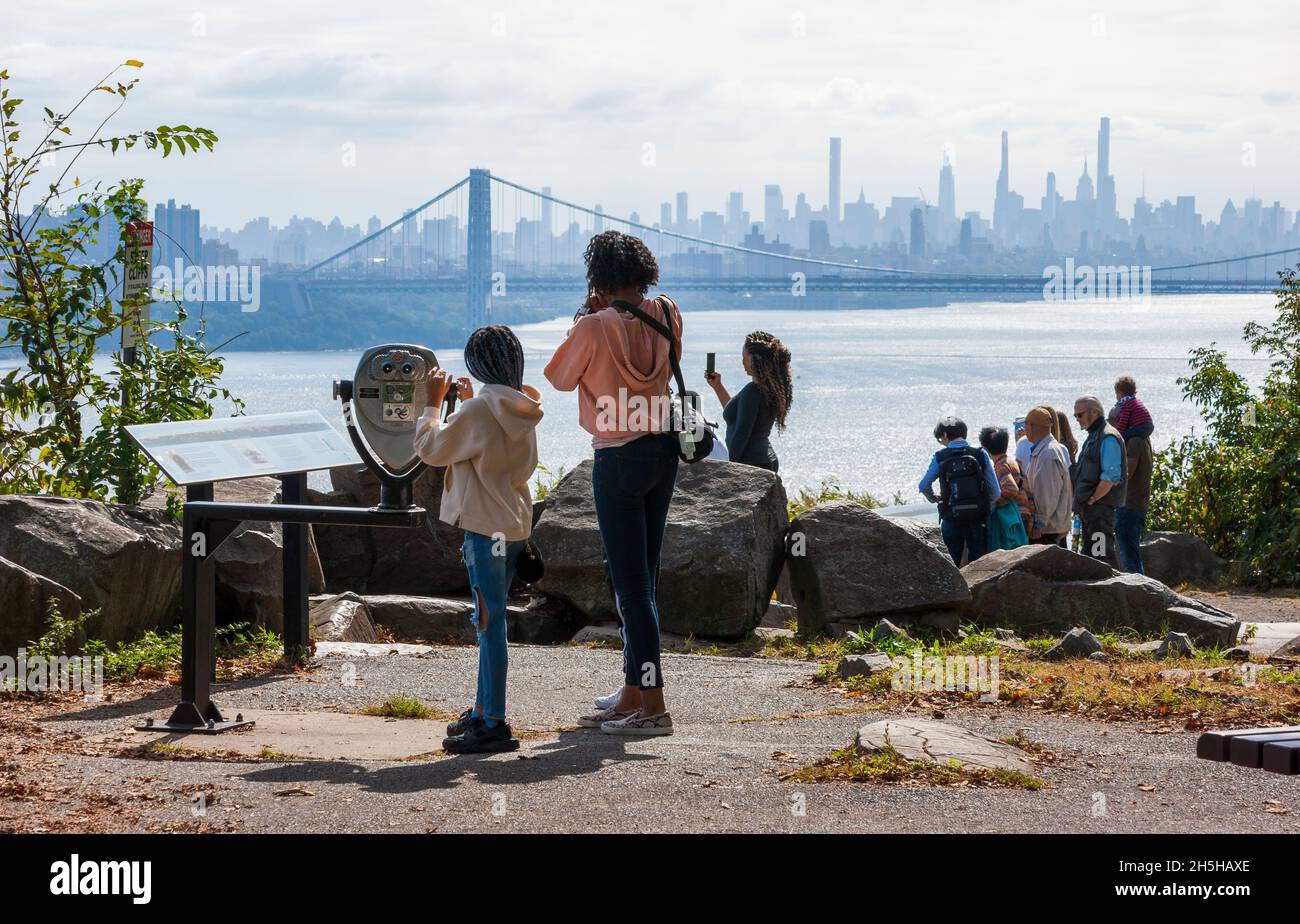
(478, 256)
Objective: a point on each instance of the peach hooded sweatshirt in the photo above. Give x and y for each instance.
(489, 446)
(619, 365)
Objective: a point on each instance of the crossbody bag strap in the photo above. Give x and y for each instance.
(663, 329)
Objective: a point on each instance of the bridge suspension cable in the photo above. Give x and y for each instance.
(407, 216)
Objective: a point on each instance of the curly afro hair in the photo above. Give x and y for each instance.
(619, 261)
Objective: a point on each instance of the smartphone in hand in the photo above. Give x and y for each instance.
(710, 362)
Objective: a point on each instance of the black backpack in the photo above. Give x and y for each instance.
(963, 489)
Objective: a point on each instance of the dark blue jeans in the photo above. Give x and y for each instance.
(972, 538)
(632, 486)
(1129, 526)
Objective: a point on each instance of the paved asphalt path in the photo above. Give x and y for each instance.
(717, 773)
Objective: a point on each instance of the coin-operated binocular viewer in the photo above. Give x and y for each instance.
(381, 405)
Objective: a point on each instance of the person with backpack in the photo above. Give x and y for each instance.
(968, 487)
(619, 355)
(489, 447)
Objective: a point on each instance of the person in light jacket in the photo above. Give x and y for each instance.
(489, 447)
(1047, 479)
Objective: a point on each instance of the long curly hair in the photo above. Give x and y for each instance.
(494, 356)
(770, 360)
(619, 261)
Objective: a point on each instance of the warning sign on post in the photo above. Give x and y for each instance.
(136, 279)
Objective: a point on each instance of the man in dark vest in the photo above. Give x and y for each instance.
(1098, 476)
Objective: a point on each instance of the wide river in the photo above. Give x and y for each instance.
(870, 384)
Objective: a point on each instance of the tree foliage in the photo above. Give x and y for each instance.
(62, 415)
(1237, 485)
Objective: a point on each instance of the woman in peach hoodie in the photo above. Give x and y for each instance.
(620, 368)
(489, 447)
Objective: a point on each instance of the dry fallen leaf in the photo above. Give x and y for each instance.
(1146, 787)
(293, 791)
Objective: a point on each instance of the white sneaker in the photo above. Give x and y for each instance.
(601, 716)
(610, 701)
(637, 724)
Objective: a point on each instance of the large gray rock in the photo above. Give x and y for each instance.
(421, 561)
(123, 561)
(434, 619)
(1180, 558)
(1040, 589)
(343, 618)
(857, 565)
(926, 530)
(25, 602)
(1077, 643)
(347, 553)
(940, 743)
(543, 620)
(722, 549)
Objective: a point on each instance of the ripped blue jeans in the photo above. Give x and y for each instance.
(491, 565)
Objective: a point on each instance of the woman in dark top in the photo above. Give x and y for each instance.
(764, 401)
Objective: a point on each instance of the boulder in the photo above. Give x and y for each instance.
(864, 665)
(926, 530)
(26, 599)
(722, 551)
(1077, 643)
(343, 618)
(421, 561)
(1175, 645)
(1040, 589)
(543, 621)
(849, 563)
(1180, 558)
(886, 629)
(347, 553)
(779, 615)
(434, 619)
(940, 743)
(123, 561)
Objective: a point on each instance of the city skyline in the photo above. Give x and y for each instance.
(734, 101)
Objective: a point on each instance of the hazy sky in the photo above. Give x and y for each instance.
(730, 95)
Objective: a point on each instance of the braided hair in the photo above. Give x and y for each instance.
(770, 360)
(494, 356)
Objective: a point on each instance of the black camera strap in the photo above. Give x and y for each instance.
(664, 329)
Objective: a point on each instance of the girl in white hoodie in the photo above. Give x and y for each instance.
(489, 447)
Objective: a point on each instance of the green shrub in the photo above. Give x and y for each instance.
(1237, 485)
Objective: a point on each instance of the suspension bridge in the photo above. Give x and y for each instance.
(508, 244)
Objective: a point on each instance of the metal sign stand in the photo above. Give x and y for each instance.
(206, 525)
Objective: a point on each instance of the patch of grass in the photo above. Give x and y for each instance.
(403, 707)
(888, 767)
(268, 753)
(545, 482)
(830, 490)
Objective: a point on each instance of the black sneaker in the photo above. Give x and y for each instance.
(462, 724)
(479, 739)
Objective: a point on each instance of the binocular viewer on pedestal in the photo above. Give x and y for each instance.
(381, 405)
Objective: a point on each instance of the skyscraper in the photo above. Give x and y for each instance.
(683, 215)
(947, 193)
(1002, 198)
(833, 194)
(1107, 212)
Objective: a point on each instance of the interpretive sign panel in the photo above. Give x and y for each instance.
(219, 449)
